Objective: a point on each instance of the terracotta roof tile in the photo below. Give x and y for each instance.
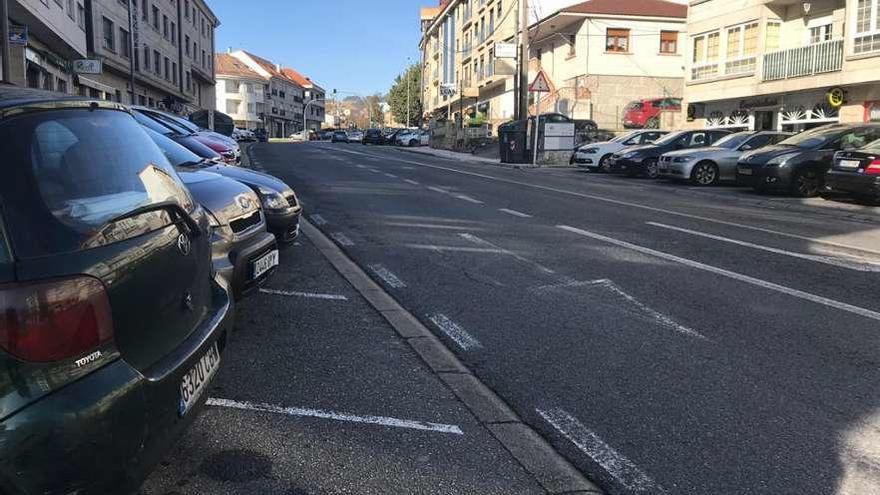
(227, 65)
(652, 8)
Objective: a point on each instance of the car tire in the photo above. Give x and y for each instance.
(603, 165)
(806, 183)
(704, 174)
(651, 169)
(413, 143)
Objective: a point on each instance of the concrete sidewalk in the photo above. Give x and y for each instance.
(455, 155)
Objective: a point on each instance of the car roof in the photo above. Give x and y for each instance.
(13, 97)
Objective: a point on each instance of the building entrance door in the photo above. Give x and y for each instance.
(764, 121)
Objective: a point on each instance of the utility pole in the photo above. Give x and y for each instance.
(406, 74)
(523, 77)
(4, 43)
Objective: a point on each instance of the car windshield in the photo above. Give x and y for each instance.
(733, 141)
(83, 178)
(176, 154)
(175, 128)
(176, 121)
(669, 138)
(812, 139)
(873, 147)
(626, 137)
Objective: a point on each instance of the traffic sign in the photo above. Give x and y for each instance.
(540, 84)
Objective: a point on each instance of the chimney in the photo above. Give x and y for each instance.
(277, 68)
(228, 49)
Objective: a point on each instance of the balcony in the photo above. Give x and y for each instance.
(809, 60)
(466, 52)
(702, 72)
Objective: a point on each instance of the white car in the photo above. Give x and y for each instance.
(594, 156)
(355, 136)
(414, 138)
(243, 135)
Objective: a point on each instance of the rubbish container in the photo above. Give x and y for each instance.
(513, 142)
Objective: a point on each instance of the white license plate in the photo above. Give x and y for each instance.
(265, 263)
(849, 163)
(196, 380)
(745, 171)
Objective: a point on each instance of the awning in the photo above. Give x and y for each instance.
(91, 83)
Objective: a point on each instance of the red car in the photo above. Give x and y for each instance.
(641, 114)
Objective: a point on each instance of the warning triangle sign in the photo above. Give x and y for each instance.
(540, 84)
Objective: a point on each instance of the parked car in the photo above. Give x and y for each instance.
(339, 137)
(113, 325)
(227, 153)
(261, 135)
(644, 159)
(355, 136)
(391, 137)
(245, 254)
(196, 130)
(646, 113)
(373, 136)
(176, 133)
(243, 135)
(713, 164)
(313, 136)
(326, 135)
(595, 156)
(414, 138)
(798, 164)
(856, 172)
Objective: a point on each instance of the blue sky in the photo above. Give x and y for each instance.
(350, 45)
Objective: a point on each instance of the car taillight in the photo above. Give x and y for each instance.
(54, 319)
(873, 168)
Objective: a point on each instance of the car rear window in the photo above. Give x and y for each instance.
(71, 173)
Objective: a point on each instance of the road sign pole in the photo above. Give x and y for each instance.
(537, 131)
(4, 43)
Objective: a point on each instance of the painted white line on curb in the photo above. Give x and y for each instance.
(468, 199)
(432, 247)
(867, 313)
(310, 295)
(410, 181)
(336, 416)
(386, 275)
(342, 239)
(849, 264)
(452, 329)
(318, 219)
(483, 242)
(619, 467)
(514, 213)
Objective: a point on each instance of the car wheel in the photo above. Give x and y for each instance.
(413, 143)
(651, 169)
(704, 174)
(652, 123)
(806, 183)
(603, 165)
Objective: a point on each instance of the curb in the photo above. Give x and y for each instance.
(550, 470)
(468, 158)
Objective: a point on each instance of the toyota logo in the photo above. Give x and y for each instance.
(183, 244)
(244, 202)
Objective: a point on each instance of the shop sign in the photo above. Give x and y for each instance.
(86, 66)
(505, 50)
(836, 97)
(760, 102)
(18, 35)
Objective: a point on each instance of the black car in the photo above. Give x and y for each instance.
(643, 159)
(113, 324)
(373, 136)
(244, 253)
(339, 137)
(798, 164)
(856, 172)
(261, 135)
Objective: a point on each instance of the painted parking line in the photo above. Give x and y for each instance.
(415, 225)
(437, 189)
(867, 313)
(460, 249)
(615, 464)
(842, 263)
(468, 199)
(478, 240)
(514, 213)
(342, 239)
(455, 332)
(410, 181)
(317, 219)
(385, 274)
(392, 176)
(336, 416)
(309, 295)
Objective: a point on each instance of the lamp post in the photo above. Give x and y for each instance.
(406, 74)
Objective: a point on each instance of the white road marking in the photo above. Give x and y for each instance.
(455, 332)
(410, 181)
(428, 226)
(437, 189)
(386, 275)
(336, 416)
(852, 265)
(311, 295)
(374, 171)
(634, 205)
(432, 247)
(867, 313)
(514, 213)
(390, 175)
(318, 219)
(478, 240)
(468, 199)
(342, 239)
(619, 467)
(360, 166)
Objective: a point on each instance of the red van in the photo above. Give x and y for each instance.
(646, 113)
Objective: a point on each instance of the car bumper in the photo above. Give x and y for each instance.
(233, 261)
(585, 161)
(672, 170)
(284, 224)
(762, 177)
(622, 165)
(105, 432)
(850, 183)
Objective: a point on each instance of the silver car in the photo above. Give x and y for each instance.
(710, 165)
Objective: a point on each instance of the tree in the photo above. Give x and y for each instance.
(397, 97)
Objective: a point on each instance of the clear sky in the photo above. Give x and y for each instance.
(351, 45)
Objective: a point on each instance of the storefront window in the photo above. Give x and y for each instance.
(771, 42)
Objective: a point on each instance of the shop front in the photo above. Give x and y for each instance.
(783, 112)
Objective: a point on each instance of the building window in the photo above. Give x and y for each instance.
(151, 102)
(821, 33)
(173, 34)
(81, 16)
(705, 57)
(232, 86)
(142, 100)
(669, 42)
(867, 35)
(174, 72)
(108, 41)
(742, 49)
(165, 27)
(157, 63)
(145, 11)
(167, 69)
(146, 58)
(188, 81)
(155, 18)
(71, 9)
(125, 43)
(232, 106)
(186, 43)
(61, 85)
(186, 8)
(771, 37)
(572, 44)
(617, 40)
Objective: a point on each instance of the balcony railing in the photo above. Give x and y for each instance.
(701, 72)
(817, 58)
(741, 65)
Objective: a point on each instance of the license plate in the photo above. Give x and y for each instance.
(196, 380)
(745, 171)
(849, 163)
(265, 263)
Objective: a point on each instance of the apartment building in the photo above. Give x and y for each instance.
(56, 35)
(601, 55)
(313, 99)
(780, 64)
(283, 97)
(240, 92)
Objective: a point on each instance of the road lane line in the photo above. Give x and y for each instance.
(335, 416)
(318, 219)
(386, 275)
(430, 226)
(432, 247)
(410, 181)
(454, 331)
(867, 313)
(310, 295)
(342, 239)
(514, 213)
(481, 241)
(437, 189)
(852, 265)
(360, 166)
(636, 205)
(392, 176)
(374, 171)
(619, 467)
(468, 199)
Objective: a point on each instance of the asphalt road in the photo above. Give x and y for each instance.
(664, 340)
